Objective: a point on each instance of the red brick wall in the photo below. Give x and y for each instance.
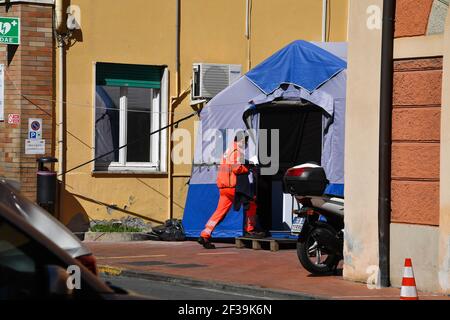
(411, 18)
(416, 118)
(30, 73)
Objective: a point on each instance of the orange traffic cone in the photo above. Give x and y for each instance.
(409, 290)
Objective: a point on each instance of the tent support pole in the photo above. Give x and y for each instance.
(385, 144)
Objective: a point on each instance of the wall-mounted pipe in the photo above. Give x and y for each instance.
(59, 22)
(177, 46)
(248, 30)
(171, 110)
(59, 15)
(385, 151)
(61, 124)
(247, 19)
(324, 19)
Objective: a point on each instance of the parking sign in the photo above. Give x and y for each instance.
(34, 129)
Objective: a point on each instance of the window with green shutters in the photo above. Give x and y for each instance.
(129, 105)
(128, 75)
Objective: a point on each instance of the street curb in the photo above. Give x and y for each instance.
(221, 286)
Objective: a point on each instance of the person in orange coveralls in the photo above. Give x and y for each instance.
(232, 164)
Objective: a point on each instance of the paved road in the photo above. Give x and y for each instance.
(169, 291)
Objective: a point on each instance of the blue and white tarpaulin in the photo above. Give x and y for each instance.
(315, 72)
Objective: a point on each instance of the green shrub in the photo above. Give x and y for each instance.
(113, 228)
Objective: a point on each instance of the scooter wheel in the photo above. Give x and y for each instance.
(310, 257)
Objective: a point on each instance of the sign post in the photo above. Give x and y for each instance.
(10, 30)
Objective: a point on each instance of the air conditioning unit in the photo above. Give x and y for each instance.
(208, 79)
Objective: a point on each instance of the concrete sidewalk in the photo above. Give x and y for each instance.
(278, 273)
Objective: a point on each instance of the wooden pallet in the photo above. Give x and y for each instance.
(256, 244)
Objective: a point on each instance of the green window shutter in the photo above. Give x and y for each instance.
(128, 75)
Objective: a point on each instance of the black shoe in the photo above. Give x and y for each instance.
(206, 243)
(255, 234)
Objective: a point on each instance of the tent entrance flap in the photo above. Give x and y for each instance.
(299, 131)
(300, 141)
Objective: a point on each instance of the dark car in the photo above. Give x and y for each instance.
(44, 222)
(33, 267)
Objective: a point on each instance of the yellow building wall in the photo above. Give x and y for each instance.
(144, 32)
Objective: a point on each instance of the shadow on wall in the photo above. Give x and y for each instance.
(108, 206)
(74, 216)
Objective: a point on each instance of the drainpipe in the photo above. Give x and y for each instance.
(170, 115)
(59, 14)
(61, 141)
(177, 44)
(384, 187)
(248, 13)
(324, 19)
(59, 22)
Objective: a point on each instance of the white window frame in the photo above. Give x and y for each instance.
(164, 120)
(158, 141)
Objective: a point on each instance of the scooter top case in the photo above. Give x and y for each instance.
(306, 180)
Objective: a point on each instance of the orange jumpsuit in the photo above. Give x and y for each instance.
(226, 182)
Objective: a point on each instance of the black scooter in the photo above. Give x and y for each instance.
(319, 223)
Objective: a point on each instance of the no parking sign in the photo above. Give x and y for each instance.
(35, 129)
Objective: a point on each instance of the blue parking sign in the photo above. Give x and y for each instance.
(33, 135)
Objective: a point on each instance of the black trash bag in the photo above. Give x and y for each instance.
(172, 230)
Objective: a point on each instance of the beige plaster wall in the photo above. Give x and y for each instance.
(420, 243)
(362, 132)
(444, 219)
